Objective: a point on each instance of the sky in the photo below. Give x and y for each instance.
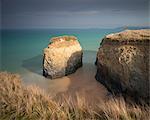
(20, 14)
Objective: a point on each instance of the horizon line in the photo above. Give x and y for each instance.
(121, 27)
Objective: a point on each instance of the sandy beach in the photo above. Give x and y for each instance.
(82, 81)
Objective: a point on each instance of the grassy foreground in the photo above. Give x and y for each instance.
(31, 103)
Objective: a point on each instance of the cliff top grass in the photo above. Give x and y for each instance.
(63, 41)
(130, 36)
(19, 102)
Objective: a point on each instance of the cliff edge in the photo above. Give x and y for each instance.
(123, 62)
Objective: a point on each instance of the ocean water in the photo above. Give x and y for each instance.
(21, 52)
(18, 46)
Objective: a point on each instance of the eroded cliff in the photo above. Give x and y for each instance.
(63, 56)
(123, 62)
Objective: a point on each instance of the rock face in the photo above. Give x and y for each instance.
(123, 62)
(63, 56)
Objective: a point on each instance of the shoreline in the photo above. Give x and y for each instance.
(82, 81)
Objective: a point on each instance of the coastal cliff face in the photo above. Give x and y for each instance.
(63, 56)
(123, 62)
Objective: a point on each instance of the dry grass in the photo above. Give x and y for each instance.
(31, 103)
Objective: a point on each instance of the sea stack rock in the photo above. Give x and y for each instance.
(123, 62)
(63, 56)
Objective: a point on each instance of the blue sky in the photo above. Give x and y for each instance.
(74, 13)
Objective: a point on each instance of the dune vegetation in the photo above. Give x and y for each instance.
(19, 102)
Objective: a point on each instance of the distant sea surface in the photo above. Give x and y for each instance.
(21, 52)
(21, 45)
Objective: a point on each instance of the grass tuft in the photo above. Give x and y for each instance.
(31, 103)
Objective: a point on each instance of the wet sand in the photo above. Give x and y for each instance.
(82, 81)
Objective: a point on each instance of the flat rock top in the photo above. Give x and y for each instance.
(63, 41)
(130, 35)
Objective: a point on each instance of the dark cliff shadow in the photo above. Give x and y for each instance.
(117, 87)
(74, 62)
(34, 64)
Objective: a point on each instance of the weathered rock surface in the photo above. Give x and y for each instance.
(63, 56)
(123, 62)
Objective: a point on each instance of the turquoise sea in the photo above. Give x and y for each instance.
(17, 46)
(21, 52)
